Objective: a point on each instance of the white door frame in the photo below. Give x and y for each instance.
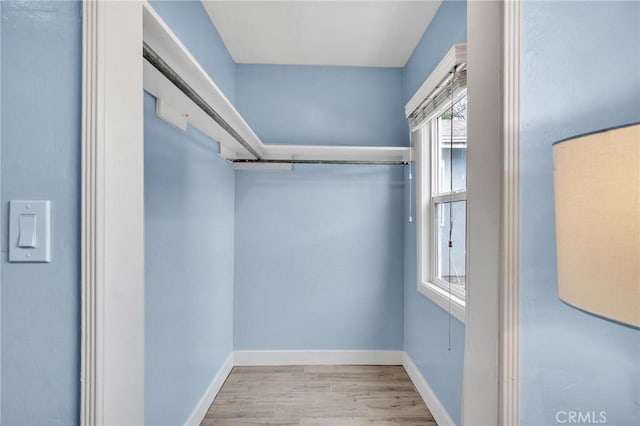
(112, 376)
(112, 389)
(509, 303)
(490, 384)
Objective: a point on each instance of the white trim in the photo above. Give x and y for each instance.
(441, 298)
(510, 299)
(112, 335)
(88, 379)
(424, 215)
(263, 166)
(481, 402)
(163, 41)
(429, 397)
(328, 153)
(212, 391)
(426, 227)
(455, 56)
(266, 358)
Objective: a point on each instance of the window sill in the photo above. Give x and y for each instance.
(441, 298)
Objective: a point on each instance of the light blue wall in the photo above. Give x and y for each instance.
(319, 258)
(189, 216)
(319, 249)
(581, 72)
(189, 230)
(429, 330)
(40, 143)
(313, 105)
(189, 21)
(427, 327)
(426, 335)
(448, 27)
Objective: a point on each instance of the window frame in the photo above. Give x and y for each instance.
(429, 284)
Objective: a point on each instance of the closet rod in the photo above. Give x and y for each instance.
(158, 63)
(381, 163)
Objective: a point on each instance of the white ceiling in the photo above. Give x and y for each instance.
(307, 32)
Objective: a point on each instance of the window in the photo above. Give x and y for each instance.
(442, 204)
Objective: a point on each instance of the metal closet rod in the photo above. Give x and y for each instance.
(381, 163)
(158, 63)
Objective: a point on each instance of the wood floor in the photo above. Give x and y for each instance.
(318, 396)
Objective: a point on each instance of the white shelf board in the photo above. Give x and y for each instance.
(165, 43)
(336, 153)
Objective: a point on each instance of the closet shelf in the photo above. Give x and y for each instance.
(187, 94)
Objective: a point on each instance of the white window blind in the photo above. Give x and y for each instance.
(453, 84)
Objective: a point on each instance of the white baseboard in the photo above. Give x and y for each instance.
(440, 414)
(265, 358)
(207, 399)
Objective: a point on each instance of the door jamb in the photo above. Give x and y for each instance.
(112, 335)
(490, 383)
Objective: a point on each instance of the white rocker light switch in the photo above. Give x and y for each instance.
(29, 231)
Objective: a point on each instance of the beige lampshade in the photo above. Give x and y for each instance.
(597, 202)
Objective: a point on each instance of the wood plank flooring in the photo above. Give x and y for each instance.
(318, 396)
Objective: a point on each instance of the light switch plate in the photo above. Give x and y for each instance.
(32, 219)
